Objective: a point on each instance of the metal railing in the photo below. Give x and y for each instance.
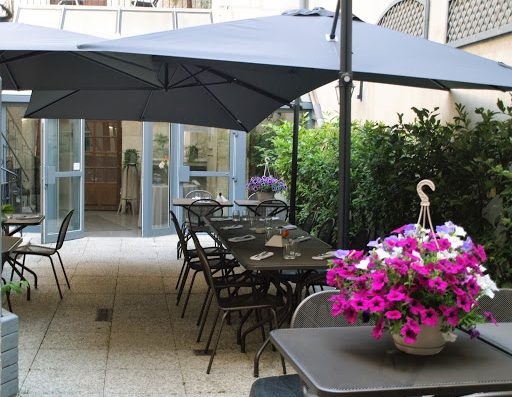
(198, 4)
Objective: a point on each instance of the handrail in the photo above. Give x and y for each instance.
(18, 130)
(15, 156)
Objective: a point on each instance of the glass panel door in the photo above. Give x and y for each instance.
(156, 179)
(63, 177)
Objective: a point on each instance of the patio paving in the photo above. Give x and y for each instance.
(146, 350)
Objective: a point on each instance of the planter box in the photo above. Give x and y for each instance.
(9, 326)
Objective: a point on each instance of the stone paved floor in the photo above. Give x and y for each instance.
(146, 350)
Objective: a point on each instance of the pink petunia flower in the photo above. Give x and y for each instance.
(415, 307)
(376, 304)
(490, 317)
(378, 330)
(413, 324)
(350, 315)
(464, 302)
(409, 334)
(393, 315)
(437, 285)
(429, 317)
(396, 295)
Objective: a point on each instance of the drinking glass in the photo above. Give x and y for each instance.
(236, 216)
(296, 249)
(289, 248)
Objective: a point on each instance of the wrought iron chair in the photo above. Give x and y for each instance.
(309, 222)
(41, 250)
(258, 299)
(312, 312)
(191, 262)
(500, 306)
(325, 231)
(272, 208)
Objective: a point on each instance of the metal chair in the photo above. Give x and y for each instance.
(312, 312)
(500, 306)
(272, 208)
(257, 299)
(197, 194)
(360, 240)
(41, 250)
(325, 231)
(309, 222)
(191, 262)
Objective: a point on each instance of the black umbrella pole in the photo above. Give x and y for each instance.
(345, 84)
(295, 156)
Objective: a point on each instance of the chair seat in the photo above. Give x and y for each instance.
(254, 301)
(277, 386)
(31, 249)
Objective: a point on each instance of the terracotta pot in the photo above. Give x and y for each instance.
(262, 196)
(428, 342)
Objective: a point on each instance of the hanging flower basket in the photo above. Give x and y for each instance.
(419, 283)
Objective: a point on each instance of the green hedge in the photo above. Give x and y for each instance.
(470, 163)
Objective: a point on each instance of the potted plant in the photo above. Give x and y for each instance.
(265, 187)
(131, 156)
(417, 283)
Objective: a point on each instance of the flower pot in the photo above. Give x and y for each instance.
(428, 342)
(262, 196)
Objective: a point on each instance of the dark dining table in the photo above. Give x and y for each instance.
(17, 222)
(498, 335)
(187, 202)
(348, 361)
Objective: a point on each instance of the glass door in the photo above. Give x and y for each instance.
(156, 178)
(63, 187)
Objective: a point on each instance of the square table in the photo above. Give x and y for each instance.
(498, 335)
(20, 222)
(348, 361)
(187, 202)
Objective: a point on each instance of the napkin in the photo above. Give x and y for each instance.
(239, 239)
(261, 255)
(289, 227)
(232, 227)
(327, 255)
(302, 238)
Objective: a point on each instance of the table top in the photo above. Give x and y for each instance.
(10, 243)
(245, 249)
(346, 361)
(498, 335)
(187, 202)
(247, 203)
(23, 219)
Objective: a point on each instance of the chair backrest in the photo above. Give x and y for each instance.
(500, 306)
(181, 236)
(325, 231)
(315, 312)
(204, 194)
(360, 240)
(272, 208)
(309, 222)
(63, 230)
(252, 196)
(207, 271)
(202, 208)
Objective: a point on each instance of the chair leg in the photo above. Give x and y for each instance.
(12, 263)
(212, 356)
(205, 317)
(55, 275)
(181, 273)
(203, 307)
(211, 332)
(23, 267)
(8, 296)
(189, 293)
(256, 372)
(182, 285)
(63, 270)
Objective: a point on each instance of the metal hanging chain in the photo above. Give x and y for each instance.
(425, 205)
(266, 171)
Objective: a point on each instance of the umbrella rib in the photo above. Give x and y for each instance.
(13, 80)
(20, 57)
(217, 100)
(441, 86)
(193, 75)
(28, 115)
(116, 69)
(280, 100)
(143, 114)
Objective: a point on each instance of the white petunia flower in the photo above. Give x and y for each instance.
(455, 242)
(459, 231)
(363, 265)
(487, 285)
(449, 336)
(382, 254)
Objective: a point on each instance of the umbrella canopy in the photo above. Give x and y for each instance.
(36, 57)
(233, 74)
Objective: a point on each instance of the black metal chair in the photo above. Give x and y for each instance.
(312, 312)
(360, 240)
(41, 250)
(309, 222)
(191, 262)
(272, 209)
(500, 306)
(258, 299)
(325, 231)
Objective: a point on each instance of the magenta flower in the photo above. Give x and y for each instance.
(395, 295)
(429, 317)
(437, 285)
(378, 330)
(415, 307)
(490, 317)
(430, 246)
(408, 244)
(350, 315)
(464, 302)
(409, 334)
(376, 304)
(451, 314)
(358, 304)
(479, 250)
(413, 324)
(393, 315)
(444, 244)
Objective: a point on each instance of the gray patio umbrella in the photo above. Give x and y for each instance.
(36, 57)
(233, 74)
